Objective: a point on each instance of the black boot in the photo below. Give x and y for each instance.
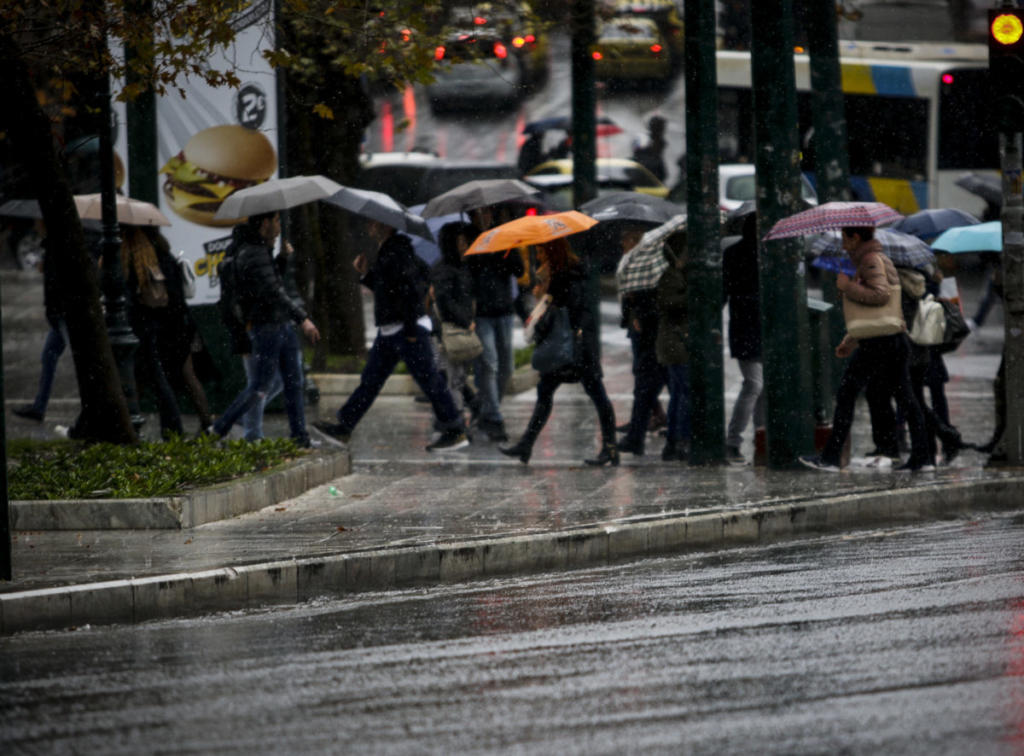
(609, 455)
(631, 445)
(523, 449)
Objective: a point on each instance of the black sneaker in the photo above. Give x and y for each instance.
(817, 463)
(29, 413)
(335, 431)
(733, 456)
(449, 440)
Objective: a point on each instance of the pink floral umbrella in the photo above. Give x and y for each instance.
(833, 216)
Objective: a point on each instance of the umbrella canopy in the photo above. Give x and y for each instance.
(989, 188)
(734, 219)
(428, 250)
(476, 194)
(29, 208)
(904, 250)
(380, 207)
(276, 194)
(982, 237)
(641, 267)
(130, 212)
(605, 126)
(835, 264)
(632, 207)
(530, 229)
(833, 216)
(927, 224)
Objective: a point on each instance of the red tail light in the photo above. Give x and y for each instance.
(531, 211)
(500, 51)
(479, 20)
(530, 39)
(656, 49)
(947, 78)
(596, 55)
(439, 52)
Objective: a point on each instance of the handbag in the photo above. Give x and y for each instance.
(557, 347)
(460, 344)
(956, 327)
(929, 326)
(870, 321)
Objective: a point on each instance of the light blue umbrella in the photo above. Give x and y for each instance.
(927, 224)
(983, 237)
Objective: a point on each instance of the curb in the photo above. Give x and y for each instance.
(295, 581)
(217, 502)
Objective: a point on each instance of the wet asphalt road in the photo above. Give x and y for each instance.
(899, 641)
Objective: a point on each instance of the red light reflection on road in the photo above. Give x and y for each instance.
(387, 128)
(1015, 669)
(409, 106)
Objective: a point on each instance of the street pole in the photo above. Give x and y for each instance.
(115, 303)
(6, 555)
(831, 163)
(1006, 77)
(704, 266)
(783, 288)
(584, 104)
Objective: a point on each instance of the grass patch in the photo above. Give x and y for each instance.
(66, 469)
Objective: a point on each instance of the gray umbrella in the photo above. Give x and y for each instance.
(275, 195)
(989, 188)
(476, 194)
(633, 207)
(381, 208)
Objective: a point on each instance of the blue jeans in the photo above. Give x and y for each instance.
(252, 421)
(678, 403)
(274, 346)
(493, 368)
(649, 377)
(54, 346)
(380, 363)
(749, 404)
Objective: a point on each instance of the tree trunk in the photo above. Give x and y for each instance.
(104, 415)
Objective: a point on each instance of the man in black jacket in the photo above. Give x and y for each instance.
(269, 313)
(398, 280)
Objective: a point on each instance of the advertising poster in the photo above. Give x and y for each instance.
(215, 141)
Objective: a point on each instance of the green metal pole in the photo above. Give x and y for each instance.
(831, 163)
(141, 131)
(784, 327)
(704, 266)
(584, 104)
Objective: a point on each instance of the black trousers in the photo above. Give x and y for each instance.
(884, 361)
(592, 384)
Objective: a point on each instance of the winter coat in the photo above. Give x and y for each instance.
(453, 293)
(568, 289)
(398, 280)
(261, 289)
(673, 317)
(875, 277)
(740, 288)
(492, 287)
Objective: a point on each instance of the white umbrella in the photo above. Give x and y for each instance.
(381, 208)
(275, 195)
(130, 212)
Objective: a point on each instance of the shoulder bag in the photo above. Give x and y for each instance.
(459, 344)
(556, 349)
(929, 326)
(870, 321)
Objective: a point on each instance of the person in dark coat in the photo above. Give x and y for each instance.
(451, 290)
(740, 287)
(399, 280)
(671, 348)
(269, 313)
(564, 281)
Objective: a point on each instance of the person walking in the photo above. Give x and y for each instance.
(269, 313)
(564, 282)
(671, 349)
(884, 358)
(493, 278)
(451, 291)
(740, 287)
(398, 280)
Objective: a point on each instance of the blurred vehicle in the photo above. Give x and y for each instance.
(556, 189)
(414, 178)
(631, 49)
(513, 23)
(737, 184)
(619, 173)
(476, 70)
(664, 13)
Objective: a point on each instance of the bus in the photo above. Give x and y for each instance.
(917, 120)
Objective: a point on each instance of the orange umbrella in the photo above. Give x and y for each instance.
(530, 229)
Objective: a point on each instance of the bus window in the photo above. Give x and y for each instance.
(887, 136)
(967, 139)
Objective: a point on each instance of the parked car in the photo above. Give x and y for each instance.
(737, 184)
(618, 172)
(414, 178)
(664, 13)
(631, 49)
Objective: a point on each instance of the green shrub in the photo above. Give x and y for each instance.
(73, 470)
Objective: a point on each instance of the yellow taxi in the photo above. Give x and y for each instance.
(631, 48)
(620, 172)
(664, 13)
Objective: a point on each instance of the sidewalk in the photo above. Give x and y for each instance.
(407, 517)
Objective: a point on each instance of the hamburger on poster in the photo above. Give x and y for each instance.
(215, 163)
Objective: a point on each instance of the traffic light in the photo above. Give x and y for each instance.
(1006, 68)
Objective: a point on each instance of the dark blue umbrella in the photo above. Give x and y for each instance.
(835, 264)
(927, 224)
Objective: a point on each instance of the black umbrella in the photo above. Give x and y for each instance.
(605, 125)
(633, 207)
(989, 188)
